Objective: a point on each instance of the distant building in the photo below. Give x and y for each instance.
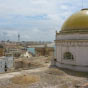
(72, 43)
(14, 49)
(43, 50)
(2, 50)
(31, 50)
(26, 55)
(6, 63)
(6, 60)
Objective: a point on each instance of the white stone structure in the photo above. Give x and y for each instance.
(27, 55)
(72, 43)
(6, 63)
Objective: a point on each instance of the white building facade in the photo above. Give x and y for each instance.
(6, 63)
(72, 43)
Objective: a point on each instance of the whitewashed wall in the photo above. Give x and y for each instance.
(78, 48)
(80, 55)
(2, 65)
(8, 61)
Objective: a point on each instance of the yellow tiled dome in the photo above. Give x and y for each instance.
(78, 22)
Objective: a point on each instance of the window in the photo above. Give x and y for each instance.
(68, 56)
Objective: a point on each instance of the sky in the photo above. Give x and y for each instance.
(35, 20)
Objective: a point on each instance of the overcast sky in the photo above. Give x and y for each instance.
(35, 19)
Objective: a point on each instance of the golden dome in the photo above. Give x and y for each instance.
(78, 22)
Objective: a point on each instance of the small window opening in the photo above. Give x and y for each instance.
(68, 56)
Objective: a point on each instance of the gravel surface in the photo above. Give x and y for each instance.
(49, 78)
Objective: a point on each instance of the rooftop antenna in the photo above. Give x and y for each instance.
(18, 37)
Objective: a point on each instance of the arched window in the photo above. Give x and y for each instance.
(68, 56)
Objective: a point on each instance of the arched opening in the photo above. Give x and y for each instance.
(68, 56)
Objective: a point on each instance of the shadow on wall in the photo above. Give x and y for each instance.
(71, 72)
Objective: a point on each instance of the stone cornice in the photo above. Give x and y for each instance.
(68, 43)
(73, 31)
(71, 40)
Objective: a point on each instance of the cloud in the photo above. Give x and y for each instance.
(35, 19)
